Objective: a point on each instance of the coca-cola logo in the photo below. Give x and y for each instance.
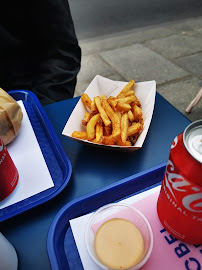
(193, 202)
(176, 183)
(174, 143)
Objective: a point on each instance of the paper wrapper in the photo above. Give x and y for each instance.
(145, 92)
(10, 117)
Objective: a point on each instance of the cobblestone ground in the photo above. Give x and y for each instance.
(170, 54)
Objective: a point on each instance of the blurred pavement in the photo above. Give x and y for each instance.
(169, 53)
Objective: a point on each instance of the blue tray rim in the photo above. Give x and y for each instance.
(51, 232)
(57, 144)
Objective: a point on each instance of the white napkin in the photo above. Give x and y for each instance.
(34, 176)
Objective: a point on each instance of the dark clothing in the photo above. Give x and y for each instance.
(39, 50)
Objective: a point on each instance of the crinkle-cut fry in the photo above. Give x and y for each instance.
(113, 116)
(123, 107)
(127, 100)
(80, 135)
(131, 116)
(124, 127)
(111, 100)
(90, 128)
(137, 111)
(129, 93)
(128, 87)
(86, 118)
(135, 128)
(86, 100)
(102, 112)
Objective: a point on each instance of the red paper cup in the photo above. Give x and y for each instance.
(8, 173)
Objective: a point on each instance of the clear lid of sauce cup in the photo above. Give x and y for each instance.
(118, 211)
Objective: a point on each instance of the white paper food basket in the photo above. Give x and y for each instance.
(145, 92)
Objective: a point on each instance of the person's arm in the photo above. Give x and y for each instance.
(55, 50)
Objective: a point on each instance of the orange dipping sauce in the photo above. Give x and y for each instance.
(119, 244)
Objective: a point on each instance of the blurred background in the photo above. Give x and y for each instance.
(143, 40)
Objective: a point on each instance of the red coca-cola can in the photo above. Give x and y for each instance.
(179, 203)
(8, 173)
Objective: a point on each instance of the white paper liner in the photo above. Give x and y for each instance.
(34, 176)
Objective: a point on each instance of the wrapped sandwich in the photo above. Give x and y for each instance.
(10, 117)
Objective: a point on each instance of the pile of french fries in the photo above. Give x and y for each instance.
(113, 120)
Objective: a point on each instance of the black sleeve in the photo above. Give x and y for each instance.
(55, 48)
(39, 50)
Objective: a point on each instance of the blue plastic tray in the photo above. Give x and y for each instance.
(61, 247)
(57, 161)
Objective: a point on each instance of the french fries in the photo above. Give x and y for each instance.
(86, 118)
(98, 133)
(90, 128)
(113, 120)
(80, 135)
(127, 88)
(113, 116)
(124, 127)
(86, 100)
(102, 112)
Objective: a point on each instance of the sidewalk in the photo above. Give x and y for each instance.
(170, 54)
